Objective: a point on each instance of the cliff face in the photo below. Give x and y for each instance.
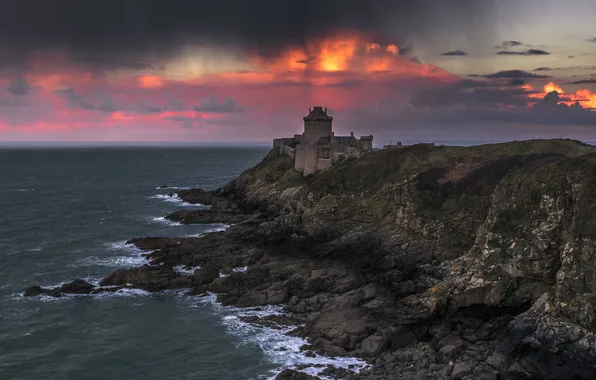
(509, 229)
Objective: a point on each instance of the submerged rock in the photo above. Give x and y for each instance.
(290, 374)
(77, 286)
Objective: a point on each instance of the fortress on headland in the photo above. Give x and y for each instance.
(317, 147)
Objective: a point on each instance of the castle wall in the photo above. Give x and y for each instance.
(299, 158)
(288, 151)
(311, 156)
(324, 163)
(315, 129)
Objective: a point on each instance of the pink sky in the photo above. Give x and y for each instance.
(206, 94)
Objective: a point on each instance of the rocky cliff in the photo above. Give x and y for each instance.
(431, 262)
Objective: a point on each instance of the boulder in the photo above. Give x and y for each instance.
(290, 374)
(77, 286)
(148, 277)
(460, 370)
(206, 275)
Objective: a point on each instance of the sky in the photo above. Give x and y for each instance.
(248, 71)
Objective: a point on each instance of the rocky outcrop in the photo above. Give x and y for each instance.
(148, 277)
(207, 217)
(195, 196)
(431, 262)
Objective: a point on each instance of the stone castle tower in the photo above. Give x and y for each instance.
(317, 146)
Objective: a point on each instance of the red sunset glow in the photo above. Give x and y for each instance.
(68, 97)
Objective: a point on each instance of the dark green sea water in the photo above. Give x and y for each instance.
(66, 213)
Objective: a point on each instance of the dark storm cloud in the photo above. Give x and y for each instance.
(105, 103)
(471, 92)
(19, 87)
(592, 39)
(455, 53)
(515, 74)
(526, 52)
(508, 44)
(156, 28)
(584, 81)
(211, 105)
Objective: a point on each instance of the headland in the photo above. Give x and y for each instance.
(429, 262)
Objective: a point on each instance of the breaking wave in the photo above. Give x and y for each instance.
(279, 348)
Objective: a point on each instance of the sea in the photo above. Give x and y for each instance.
(67, 213)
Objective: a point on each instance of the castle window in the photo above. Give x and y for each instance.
(324, 153)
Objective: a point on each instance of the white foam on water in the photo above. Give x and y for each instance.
(278, 347)
(161, 219)
(133, 258)
(183, 269)
(216, 228)
(237, 270)
(174, 198)
(114, 262)
(172, 187)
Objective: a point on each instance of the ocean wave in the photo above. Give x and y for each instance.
(113, 262)
(161, 219)
(279, 348)
(133, 258)
(172, 188)
(174, 198)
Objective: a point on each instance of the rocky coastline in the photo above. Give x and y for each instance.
(429, 262)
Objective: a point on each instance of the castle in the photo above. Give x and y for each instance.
(317, 147)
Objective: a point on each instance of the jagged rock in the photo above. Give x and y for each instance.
(290, 374)
(197, 290)
(206, 217)
(196, 196)
(77, 286)
(460, 370)
(204, 276)
(147, 277)
(33, 291)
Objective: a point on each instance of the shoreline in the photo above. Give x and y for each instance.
(270, 318)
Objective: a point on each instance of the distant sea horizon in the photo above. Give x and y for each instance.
(242, 144)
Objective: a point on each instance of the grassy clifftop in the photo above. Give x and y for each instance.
(440, 194)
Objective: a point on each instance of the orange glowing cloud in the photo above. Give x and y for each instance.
(150, 81)
(348, 53)
(585, 97)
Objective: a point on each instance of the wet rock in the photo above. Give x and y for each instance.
(290, 374)
(196, 196)
(335, 372)
(197, 290)
(206, 217)
(204, 276)
(34, 291)
(277, 322)
(77, 286)
(461, 370)
(148, 277)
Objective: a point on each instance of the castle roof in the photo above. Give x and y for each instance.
(318, 113)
